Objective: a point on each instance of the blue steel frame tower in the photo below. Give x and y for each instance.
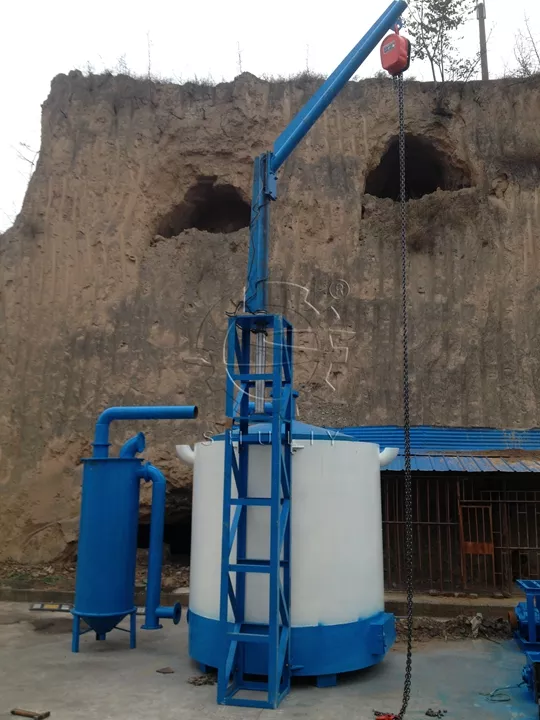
(248, 375)
(275, 636)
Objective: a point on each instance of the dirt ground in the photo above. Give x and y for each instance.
(107, 680)
(60, 575)
(457, 628)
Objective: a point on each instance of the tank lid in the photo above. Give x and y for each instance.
(300, 431)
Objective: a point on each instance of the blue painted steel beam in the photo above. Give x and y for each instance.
(255, 299)
(266, 165)
(231, 674)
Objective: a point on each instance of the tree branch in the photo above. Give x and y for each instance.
(532, 41)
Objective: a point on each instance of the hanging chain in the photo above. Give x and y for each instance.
(406, 409)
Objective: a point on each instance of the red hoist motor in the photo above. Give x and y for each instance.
(396, 53)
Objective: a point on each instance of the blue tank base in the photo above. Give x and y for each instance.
(326, 681)
(101, 636)
(205, 669)
(322, 651)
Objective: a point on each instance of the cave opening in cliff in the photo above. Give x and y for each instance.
(207, 206)
(176, 535)
(428, 169)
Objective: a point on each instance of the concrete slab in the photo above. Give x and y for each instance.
(107, 680)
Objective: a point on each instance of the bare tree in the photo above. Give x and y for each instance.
(27, 154)
(527, 52)
(239, 60)
(434, 26)
(149, 47)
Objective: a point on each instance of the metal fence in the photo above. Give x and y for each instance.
(477, 532)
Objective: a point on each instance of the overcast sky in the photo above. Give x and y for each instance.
(185, 39)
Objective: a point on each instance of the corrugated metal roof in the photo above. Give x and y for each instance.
(465, 450)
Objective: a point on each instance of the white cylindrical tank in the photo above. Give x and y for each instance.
(337, 591)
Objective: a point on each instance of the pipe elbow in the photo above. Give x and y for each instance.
(151, 412)
(186, 454)
(387, 456)
(101, 442)
(153, 475)
(133, 446)
(170, 612)
(106, 417)
(162, 612)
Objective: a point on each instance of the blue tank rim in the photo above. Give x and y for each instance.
(112, 459)
(83, 614)
(299, 431)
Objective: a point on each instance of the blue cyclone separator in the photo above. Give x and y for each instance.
(107, 550)
(321, 651)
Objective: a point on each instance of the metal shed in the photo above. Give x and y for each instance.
(476, 507)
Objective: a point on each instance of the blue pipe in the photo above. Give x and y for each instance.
(155, 611)
(133, 446)
(311, 112)
(166, 412)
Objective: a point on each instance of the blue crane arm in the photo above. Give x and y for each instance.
(267, 164)
(314, 108)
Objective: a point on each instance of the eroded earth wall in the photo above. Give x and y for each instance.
(132, 245)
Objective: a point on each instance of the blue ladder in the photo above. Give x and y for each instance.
(240, 635)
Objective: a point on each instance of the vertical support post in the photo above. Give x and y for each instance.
(260, 367)
(76, 634)
(133, 630)
(289, 414)
(531, 617)
(223, 674)
(243, 361)
(275, 508)
(255, 299)
(481, 14)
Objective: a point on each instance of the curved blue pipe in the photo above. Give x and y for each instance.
(133, 446)
(157, 412)
(155, 611)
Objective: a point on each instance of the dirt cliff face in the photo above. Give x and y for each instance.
(132, 246)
